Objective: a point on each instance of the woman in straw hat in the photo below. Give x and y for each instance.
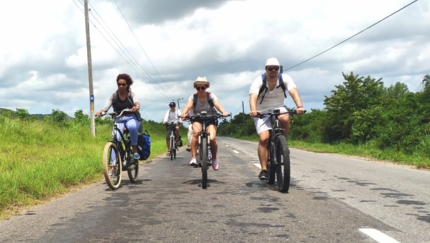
(205, 101)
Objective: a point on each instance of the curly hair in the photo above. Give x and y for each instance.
(127, 79)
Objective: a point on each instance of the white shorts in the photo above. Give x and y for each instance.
(264, 124)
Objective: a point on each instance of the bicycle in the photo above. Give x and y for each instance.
(278, 163)
(203, 144)
(173, 147)
(113, 165)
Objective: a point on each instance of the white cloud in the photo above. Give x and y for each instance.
(45, 53)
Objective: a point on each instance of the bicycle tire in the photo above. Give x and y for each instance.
(172, 149)
(271, 166)
(114, 180)
(283, 169)
(133, 170)
(204, 161)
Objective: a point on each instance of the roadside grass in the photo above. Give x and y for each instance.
(40, 160)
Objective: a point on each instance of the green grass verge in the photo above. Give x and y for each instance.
(41, 160)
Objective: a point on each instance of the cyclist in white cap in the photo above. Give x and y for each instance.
(270, 97)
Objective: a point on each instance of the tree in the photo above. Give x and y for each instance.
(355, 95)
(22, 114)
(426, 82)
(58, 116)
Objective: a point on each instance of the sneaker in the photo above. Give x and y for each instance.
(193, 161)
(188, 149)
(136, 156)
(215, 164)
(263, 175)
(111, 172)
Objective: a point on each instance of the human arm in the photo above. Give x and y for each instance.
(219, 107)
(179, 117)
(253, 96)
(136, 102)
(297, 100)
(253, 105)
(108, 104)
(166, 117)
(187, 108)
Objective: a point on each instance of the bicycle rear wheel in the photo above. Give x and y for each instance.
(112, 165)
(203, 150)
(133, 170)
(283, 170)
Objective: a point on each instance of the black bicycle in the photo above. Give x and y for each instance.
(203, 143)
(278, 164)
(171, 126)
(118, 156)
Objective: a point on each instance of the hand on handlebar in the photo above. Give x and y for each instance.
(254, 113)
(301, 110)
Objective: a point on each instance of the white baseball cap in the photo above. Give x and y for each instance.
(272, 62)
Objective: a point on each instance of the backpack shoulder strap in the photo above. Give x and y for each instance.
(263, 87)
(282, 84)
(210, 100)
(130, 98)
(194, 100)
(114, 98)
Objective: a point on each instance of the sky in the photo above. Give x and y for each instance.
(165, 45)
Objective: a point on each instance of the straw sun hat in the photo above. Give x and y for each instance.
(201, 81)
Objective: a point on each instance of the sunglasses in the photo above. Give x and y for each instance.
(276, 68)
(201, 88)
(122, 84)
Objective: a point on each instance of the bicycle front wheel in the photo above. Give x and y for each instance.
(283, 170)
(271, 166)
(112, 165)
(172, 147)
(203, 150)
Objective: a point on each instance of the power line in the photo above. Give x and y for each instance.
(142, 47)
(352, 36)
(132, 66)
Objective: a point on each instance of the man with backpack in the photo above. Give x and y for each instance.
(268, 92)
(173, 121)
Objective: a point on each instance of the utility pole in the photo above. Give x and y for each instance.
(243, 113)
(177, 101)
(90, 69)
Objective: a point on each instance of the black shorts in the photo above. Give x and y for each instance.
(211, 122)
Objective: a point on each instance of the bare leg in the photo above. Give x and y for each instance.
(263, 153)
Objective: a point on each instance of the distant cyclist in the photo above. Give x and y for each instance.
(190, 131)
(268, 98)
(172, 115)
(205, 101)
(122, 99)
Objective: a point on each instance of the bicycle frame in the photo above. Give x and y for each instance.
(278, 163)
(204, 142)
(171, 126)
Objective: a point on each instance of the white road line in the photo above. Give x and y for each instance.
(235, 151)
(378, 236)
(258, 165)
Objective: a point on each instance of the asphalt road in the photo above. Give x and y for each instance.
(332, 199)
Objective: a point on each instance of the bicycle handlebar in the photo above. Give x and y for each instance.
(200, 116)
(289, 111)
(113, 114)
